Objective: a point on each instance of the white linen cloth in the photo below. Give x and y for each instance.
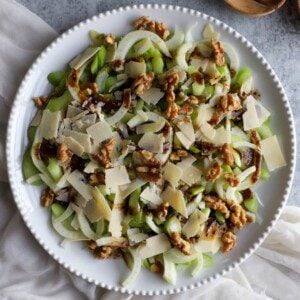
(27, 272)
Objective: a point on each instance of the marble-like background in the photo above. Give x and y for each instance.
(277, 37)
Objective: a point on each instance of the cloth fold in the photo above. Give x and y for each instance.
(28, 272)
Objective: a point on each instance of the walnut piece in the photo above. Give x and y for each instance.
(40, 102)
(181, 244)
(64, 154)
(157, 268)
(186, 109)
(176, 156)
(47, 197)
(96, 178)
(218, 52)
(144, 23)
(213, 172)
(103, 252)
(91, 245)
(237, 215)
(231, 179)
(169, 80)
(162, 210)
(142, 83)
(227, 154)
(161, 30)
(172, 111)
(217, 204)
(109, 39)
(229, 241)
(103, 157)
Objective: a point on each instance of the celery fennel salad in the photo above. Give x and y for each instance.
(149, 146)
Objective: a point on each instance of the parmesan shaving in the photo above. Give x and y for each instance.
(152, 96)
(172, 173)
(152, 142)
(76, 180)
(49, 124)
(116, 176)
(155, 245)
(100, 132)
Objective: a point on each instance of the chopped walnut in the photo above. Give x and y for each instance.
(217, 204)
(157, 268)
(142, 83)
(109, 39)
(47, 197)
(162, 210)
(250, 218)
(64, 154)
(172, 111)
(40, 101)
(92, 86)
(169, 80)
(103, 157)
(170, 96)
(231, 179)
(118, 65)
(211, 230)
(255, 138)
(161, 30)
(237, 215)
(218, 52)
(186, 109)
(96, 178)
(227, 154)
(91, 245)
(193, 100)
(213, 172)
(181, 244)
(103, 252)
(144, 23)
(229, 241)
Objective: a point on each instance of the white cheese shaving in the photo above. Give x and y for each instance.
(190, 174)
(187, 129)
(206, 246)
(72, 144)
(152, 142)
(151, 127)
(116, 217)
(134, 69)
(127, 189)
(191, 227)
(49, 124)
(151, 195)
(205, 113)
(208, 131)
(175, 199)
(152, 96)
(76, 180)
(73, 111)
(116, 176)
(262, 113)
(90, 167)
(155, 245)
(272, 153)
(82, 138)
(186, 142)
(100, 132)
(250, 118)
(172, 173)
(221, 137)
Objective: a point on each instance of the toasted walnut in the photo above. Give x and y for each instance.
(162, 210)
(103, 157)
(40, 101)
(250, 218)
(144, 23)
(218, 52)
(175, 156)
(103, 252)
(91, 245)
(170, 96)
(92, 86)
(142, 83)
(231, 179)
(64, 154)
(172, 111)
(169, 80)
(213, 172)
(229, 241)
(161, 30)
(217, 204)
(157, 268)
(237, 215)
(227, 154)
(192, 100)
(181, 244)
(186, 109)
(109, 39)
(96, 178)
(118, 64)
(147, 154)
(255, 138)
(211, 230)
(47, 197)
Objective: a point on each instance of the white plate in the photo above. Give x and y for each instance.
(109, 273)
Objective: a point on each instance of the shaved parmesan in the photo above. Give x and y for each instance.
(204, 114)
(250, 118)
(186, 142)
(208, 131)
(72, 144)
(175, 199)
(100, 132)
(155, 245)
(151, 127)
(49, 124)
(187, 129)
(136, 120)
(172, 173)
(262, 113)
(83, 57)
(82, 138)
(116, 217)
(221, 137)
(90, 167)
(135, 236)
(190, 174)
(151, 195)
(206, 246)
(127, 189)
(152, 142)
(73, 111)
(199, 63)
(152, 96)
(116, 176)
(133, 68)
(272, 153)
(191, 227)
(76, 180)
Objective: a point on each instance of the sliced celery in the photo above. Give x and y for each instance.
(57, 211)
(127, 117)
(172, 225)
(139, 106)
(157, 65)
(133, 203)
(265, 130)
(251, 205)
(207, 260)
(208, 91)
(152, 52)
(242, 75)
(94, 65)
(102, 189)
(54, 169)
(110, 81)
(145, 263)
(223, 70)
(138, 220)
(220, 218)
(227, 168)
(101, 55)
(29, 169)
(111, 197)
(56, 77)
(149, 67)
(60, 103)
(31, 133)
(195, 190)
(192, 69)
(194, 149)
(264, 174)
(197, 88)
(127, 160)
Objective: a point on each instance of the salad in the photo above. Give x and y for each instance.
(149, 146)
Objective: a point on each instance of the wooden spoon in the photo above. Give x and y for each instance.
(255, 8)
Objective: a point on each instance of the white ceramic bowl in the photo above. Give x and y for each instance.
(108, 273)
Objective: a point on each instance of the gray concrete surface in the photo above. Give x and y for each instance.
(277, 36)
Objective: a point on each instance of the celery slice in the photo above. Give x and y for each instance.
(56, 77)
(59, 103)
(29, 169)
(157, 65)
(264, 174)
(54, 169)
(101, 55)
(172, 225)
(31, 133)
(220, 218)
(251, 205)
(133, 203)
(242, 75)
(197, 88)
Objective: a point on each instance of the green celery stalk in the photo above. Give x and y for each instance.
(264, 174)
(197, 88)
(133, 203)
(157, 65)
(29, 169)
(101, 55)
(60, 103)
(31, 133)
(251, 205)
(56, 77)
(172, 225)
(54, 169)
